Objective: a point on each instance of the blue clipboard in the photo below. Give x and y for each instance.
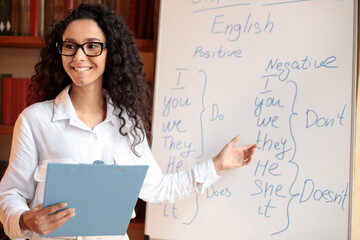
(103, 196)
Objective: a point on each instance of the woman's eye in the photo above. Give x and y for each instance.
(93, 46)
(69, 46)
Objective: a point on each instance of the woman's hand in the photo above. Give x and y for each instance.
(45, 220)
(232, 156)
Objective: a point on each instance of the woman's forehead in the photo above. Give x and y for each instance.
(83, 30)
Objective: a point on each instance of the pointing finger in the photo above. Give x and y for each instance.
(235, 140)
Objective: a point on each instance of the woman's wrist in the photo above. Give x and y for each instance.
(22, 224)
(217, 164)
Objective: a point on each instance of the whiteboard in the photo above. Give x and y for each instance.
(281, 74)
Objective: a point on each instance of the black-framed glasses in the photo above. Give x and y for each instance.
(91, 49)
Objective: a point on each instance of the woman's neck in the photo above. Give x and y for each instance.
(89, 104)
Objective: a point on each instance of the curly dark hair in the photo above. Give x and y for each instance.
(123, 79)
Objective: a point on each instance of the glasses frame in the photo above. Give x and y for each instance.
(78, 46)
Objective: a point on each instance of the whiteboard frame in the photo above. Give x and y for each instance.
(356, 54)
(353, 120)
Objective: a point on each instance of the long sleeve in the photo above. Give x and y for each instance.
(158, 188)
(17, 187)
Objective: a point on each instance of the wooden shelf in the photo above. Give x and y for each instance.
(145, 45)
(6, 129)
(23, 42)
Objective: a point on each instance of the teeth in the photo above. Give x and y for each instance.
(82, 68)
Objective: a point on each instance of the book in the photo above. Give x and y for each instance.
(34, 18)
(14, 93)
(133, 15)
(142, 18)
(2, 17)
(77, 3)
(19, 17)
(150, 21)
(14, 28)
(8, 101)
(110, 4)
(8, 23)
(69, 6)
(25, 12)
(124, 10)
(48, 17)
(117, 7)
(59, 11)
(1, 76)
(22, 92)
(41, 18)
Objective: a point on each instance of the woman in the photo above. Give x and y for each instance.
(92, 102)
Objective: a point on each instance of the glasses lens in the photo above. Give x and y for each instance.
(92, 48)
(68, 48)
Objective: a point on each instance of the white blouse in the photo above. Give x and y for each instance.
(50, 131)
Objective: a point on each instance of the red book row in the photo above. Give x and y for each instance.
(14, 92)
(38, 17)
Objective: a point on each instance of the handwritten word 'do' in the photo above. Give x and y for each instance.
(215, 113)
(173, 103)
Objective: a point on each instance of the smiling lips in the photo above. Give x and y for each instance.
(81, 69)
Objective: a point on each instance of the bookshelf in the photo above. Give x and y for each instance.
(144, 45)
(24, 51)
(6, 130)
(146, 48)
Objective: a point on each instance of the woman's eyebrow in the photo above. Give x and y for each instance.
(88, 39)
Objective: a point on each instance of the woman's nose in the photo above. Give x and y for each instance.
(79, 55)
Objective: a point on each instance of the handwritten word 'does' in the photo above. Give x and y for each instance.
(172, 103)
(212, 192)
(310, 192)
